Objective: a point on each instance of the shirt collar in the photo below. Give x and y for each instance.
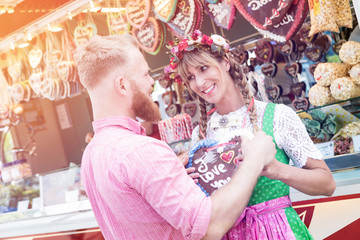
(123, 122)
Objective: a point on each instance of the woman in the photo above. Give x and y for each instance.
(206, 67)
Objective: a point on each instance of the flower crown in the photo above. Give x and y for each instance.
(215, 43)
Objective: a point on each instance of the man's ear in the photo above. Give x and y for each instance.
(120, 85)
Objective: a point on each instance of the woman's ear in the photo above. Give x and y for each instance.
(226, 63)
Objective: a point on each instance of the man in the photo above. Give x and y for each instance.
(137, 187)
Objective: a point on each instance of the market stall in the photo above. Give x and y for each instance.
(304, 54)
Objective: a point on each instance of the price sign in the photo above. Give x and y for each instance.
(356, 142)
(326, 148)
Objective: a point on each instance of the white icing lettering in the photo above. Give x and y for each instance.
(218, 11)
(286, 20)
(257, 4)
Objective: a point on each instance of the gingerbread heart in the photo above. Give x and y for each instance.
(301, 104)
(287, 48)
(222, 13)
(190, 108)
(182, 21)
(187, 96)
(241, 54)
(264, 14)
(264, 51)
(137, 12)
(298, 88)
(17, 93)
(169, 97)
(293, 69)
(14, 71)
(117, 23)
(82, 34)
(312, 68)
(215, 162)
(63, 69)
(269, 70)
(35, 81)
(304, 34)
(290, 23)
(164, 9)
(300, 46)
(324, 42)
(35, 56)
(173, 109)
(52, 57)
(314, 53)
(274, 92)
(148, 36)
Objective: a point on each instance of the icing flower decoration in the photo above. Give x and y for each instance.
(215, 43)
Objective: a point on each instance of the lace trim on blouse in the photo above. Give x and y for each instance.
(289, 132)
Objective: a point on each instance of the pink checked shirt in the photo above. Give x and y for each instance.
(137, 187)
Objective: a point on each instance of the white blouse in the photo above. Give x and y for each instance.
(289, 131)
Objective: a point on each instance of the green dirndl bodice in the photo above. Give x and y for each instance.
(267, 189)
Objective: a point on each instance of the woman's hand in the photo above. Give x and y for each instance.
(184, 159)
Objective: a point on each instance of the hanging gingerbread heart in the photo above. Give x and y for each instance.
(290, 22)
(190, 108)
(148, 36)
(35, 56)
(164, 9)
(293, 69)
(222, 13)
(324, 42)
(35, 81)
(286, 48)
(274, 92)
(14, 71)
(301, 104)
(183, 19)
(52, 57)
(214, 162)
(173, 109)
(314, 53)
(298, 88)
(117, 23)
(137, 12)
(304, 34)
(63, 69)
(264, 51)
(169, 97)
(300, 46)
(241, 54)
(82, 34)
(162, 36)
(263, 14)
(312, 68)
(269, 70)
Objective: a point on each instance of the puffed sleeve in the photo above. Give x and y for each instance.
(290, 135)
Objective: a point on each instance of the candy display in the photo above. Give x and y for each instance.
(343, 13)
(343, 145)
(322, 17)
(321, 127)
(343, 88)
(176, 128)
(355, 74)
(349, 130)
(319, 95)
(350, 52)
(326, 73)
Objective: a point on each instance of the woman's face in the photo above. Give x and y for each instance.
(209, 81)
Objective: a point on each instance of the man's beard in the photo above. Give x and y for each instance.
(143, 107)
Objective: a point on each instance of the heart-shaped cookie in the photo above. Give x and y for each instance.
(82, 34)
(117, 23)
(312, 68)
(35, 81)
(269, 70)
(137, 12)
(14, 71)
(164, 9)
(314, 53)
(286, 48)
(64, 69)
(183, 19)
(17, 92)
(173, 109)
(222, 12)
(274, 92)
(148, 36)
(169, 97)
(264, 14)
(290, 23)
(241, 54)
(52, 57)
(264, 51)
(298, 88)
(35, 56)
(301, 104)
(293, 69)
(215, 162)
(189, 108)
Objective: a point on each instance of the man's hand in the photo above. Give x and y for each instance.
(260, 149)
(184, 159)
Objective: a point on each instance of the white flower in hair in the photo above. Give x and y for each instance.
(218, 40)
